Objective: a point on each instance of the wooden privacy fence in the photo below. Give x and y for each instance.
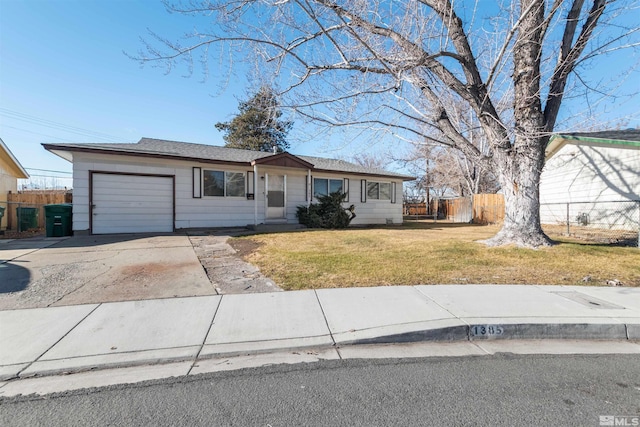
(481, 209)
(48, 197)
(488, 208)
(458, 210)
(415, 209)
(30, 200)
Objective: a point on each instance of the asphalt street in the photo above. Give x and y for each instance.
(499, 390)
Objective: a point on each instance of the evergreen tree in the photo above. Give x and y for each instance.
(257, 126)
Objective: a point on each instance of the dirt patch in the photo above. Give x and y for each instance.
(147, 272)
(33, 232)
(244, 247)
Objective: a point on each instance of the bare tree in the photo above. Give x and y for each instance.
(369, 160)
(447, 171)
(402, 67)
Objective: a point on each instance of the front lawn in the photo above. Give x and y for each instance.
(428, 253)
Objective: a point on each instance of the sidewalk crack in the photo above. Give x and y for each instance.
(204, 340)
(61, 338)
(327, 323)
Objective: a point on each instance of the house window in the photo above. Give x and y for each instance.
(379, 190)
(324, 186)
(223, 184)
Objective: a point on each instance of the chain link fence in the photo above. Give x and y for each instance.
(615, 222)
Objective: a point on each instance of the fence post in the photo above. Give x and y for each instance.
(638, 203)
(435, 216)
(568, 228)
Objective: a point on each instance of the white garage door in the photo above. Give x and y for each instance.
(132, 204)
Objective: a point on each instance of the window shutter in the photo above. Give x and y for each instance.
(393, 192)
(197, 183)
(250, 183)
(363, 191)
(345, 189)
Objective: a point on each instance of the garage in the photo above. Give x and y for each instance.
(131, 203)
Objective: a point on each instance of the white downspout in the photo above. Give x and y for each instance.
(255, 195)
(308, 189)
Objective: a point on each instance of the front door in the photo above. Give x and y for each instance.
(276, 196)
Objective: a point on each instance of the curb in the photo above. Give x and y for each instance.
(480, 332)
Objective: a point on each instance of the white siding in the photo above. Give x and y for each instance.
(579, 173)
(591, 179)
(372, 211)
(221, 211)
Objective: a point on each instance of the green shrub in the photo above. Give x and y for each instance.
(328, 213)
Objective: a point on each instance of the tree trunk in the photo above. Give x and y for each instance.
(519, 176)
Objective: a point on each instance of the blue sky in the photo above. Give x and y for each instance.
(63, 68)
(64, 78)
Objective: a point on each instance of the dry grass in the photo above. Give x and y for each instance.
(428, 253)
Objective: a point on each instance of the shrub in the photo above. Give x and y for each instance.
(328, 213)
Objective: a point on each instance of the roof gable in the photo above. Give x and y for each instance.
(13, 164)
(285, 160)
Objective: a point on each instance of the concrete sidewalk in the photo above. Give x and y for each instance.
(47, 341)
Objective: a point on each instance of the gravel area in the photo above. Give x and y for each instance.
(223, 265)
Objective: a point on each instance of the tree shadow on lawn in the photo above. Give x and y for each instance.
(429, 225)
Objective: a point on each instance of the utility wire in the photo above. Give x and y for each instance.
(15, 115)
(47, 170)
(47, 176)
(37, 133)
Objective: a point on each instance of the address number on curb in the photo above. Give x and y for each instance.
(486, 330)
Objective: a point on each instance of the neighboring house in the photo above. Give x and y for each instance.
(593, 179)
(159, 186)
(10, 171)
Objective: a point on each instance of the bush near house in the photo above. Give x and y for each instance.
(328, 213)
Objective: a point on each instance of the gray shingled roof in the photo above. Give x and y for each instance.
(186, 150)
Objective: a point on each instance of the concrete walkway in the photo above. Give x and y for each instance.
(194, 330)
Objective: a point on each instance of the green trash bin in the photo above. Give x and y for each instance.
(58, 220)
(27, 218)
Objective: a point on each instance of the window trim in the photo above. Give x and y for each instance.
(224, 184)
(249, 186)
(391, 190)
(345, 188)
(196, 183)
(344, 181)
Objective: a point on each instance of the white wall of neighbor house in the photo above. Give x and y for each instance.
(592, 180)
(582, 173)
(211, 211)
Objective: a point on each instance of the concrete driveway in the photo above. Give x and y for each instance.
(43, 272)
